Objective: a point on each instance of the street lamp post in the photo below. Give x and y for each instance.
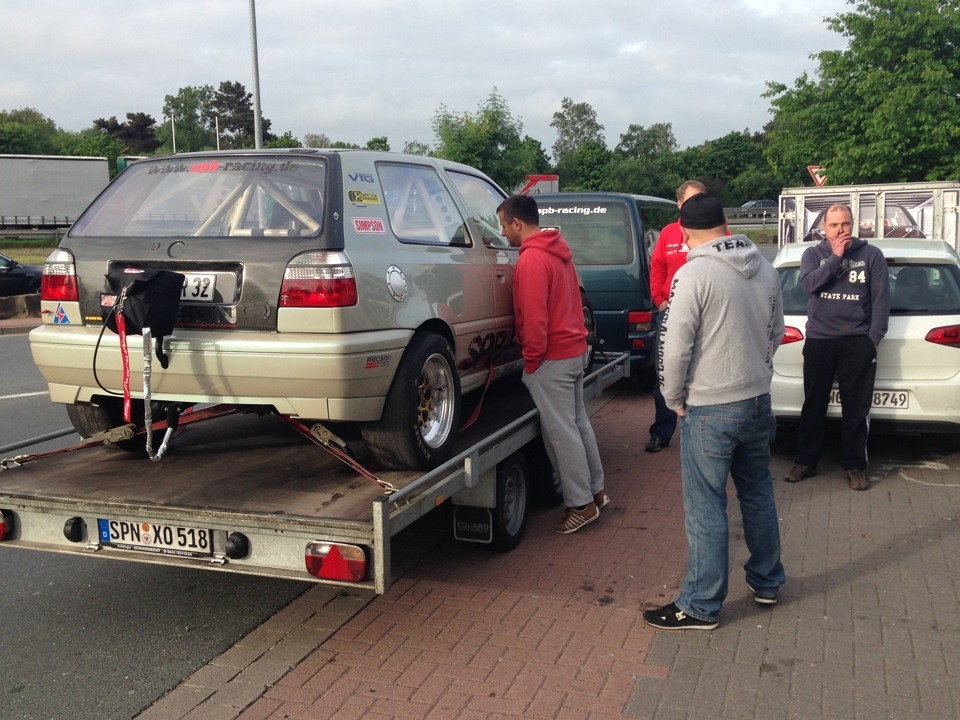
(257, 123)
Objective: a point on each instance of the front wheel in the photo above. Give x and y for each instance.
(422, 412)
(590, 323)
(510, 515)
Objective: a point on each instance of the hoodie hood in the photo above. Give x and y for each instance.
(550, 241)
(734, 250)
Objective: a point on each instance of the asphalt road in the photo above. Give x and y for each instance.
(87, 637)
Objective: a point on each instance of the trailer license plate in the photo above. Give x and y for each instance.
(156, 538)
(198, 287)
(881, 398)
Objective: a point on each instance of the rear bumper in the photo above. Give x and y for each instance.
(321, 377)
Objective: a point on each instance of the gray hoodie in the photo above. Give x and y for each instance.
(722, 326)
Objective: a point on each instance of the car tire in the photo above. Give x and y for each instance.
(513, 492)
(421, 416)
(590, 323)
(88, 420)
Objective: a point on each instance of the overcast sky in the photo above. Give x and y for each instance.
(357, 70)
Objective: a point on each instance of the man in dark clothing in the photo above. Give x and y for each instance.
(846, 319)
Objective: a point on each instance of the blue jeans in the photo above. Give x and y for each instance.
(717, 441)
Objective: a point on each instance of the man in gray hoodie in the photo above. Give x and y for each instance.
(722, 326)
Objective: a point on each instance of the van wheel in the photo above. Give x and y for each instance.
(590, 323)
(510, 515)
(422, 412)
(88, 420)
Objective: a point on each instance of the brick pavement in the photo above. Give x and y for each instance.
(868, 625)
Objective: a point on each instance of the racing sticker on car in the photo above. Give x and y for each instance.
(573, 210)
(359, 197)
(377, 361)
(60, 316)
(368, 225)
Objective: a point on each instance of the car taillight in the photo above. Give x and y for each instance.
(59, 278)
(639, 321)
(791, 335)
(949, 336)
(6, 524)
(318, 280)
(335, 561)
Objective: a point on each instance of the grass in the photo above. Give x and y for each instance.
(28, 251)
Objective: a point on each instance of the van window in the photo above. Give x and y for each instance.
(419, 207)
(598, 233)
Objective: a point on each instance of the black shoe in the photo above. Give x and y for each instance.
(764, 599)
(670, 617)
(655, 444)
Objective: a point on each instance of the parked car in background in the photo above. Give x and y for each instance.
(17, 279)
(611, 235)
(343, 286)
(917, 386)
(756, 208)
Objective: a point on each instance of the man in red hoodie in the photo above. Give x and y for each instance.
(550, 329)
(669, 255)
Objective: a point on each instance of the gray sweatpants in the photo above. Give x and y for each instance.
(557, 390)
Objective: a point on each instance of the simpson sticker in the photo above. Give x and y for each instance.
(368, 225)
(358, 197)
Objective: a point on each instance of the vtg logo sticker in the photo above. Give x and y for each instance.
(361, 177)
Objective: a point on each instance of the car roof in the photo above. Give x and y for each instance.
(892, 248)
(644, 201)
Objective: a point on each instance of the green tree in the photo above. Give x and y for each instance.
(575, 123)
(586, 168)
(192, 113)
(378, 143)
(233, 106)
(94, 143)
(650, 143)
(886, 109)
(415, 147)
(316, 140)
(488, 140)
(287, 140)
(138, 134)
(28, 132)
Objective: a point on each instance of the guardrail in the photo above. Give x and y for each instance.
(746, 216)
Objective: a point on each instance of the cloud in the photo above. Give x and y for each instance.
(384, 67)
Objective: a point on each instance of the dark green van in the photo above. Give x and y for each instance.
(611, 236)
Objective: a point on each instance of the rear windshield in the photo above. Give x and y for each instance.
(914, 290)
(599, 233)
(218, 197)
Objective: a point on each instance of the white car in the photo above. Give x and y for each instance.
(917, 387)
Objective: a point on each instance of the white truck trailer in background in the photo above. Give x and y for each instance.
(48, 191)
(929, 210)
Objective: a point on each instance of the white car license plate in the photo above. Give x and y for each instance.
(198, 287)
(881, 398)
(156, 538)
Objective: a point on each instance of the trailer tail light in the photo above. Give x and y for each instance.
(318, 280)
(335, 561)
(949, 336)
(791, 335)
(6, 524)
(640, 321)
(59, 281)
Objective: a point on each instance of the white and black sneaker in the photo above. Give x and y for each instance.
(763, 598)
(670, 617)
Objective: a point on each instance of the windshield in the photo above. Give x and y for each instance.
(216, 196)
(598, 233)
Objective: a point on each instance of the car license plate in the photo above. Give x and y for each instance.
(156, 538)
(198, 287)
(881, 398)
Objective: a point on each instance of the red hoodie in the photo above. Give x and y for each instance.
(546, 301)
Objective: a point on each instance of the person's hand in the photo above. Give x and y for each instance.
(662, 306)
(839, 245)
(681, 413)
